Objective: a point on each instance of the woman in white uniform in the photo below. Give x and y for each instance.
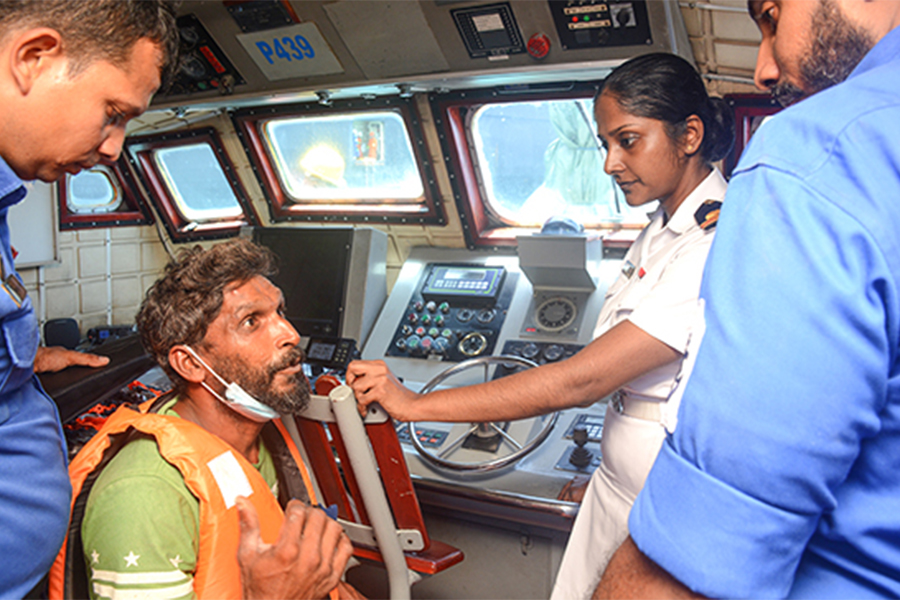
(662, 132)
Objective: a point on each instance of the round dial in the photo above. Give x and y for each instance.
(530, 350)
(555, 314)
(189, 35)
(465, 315)
(193, 67)
(473, 344)
(553, 352)
(486, 315)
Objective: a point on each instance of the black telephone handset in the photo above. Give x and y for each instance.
(330, 353)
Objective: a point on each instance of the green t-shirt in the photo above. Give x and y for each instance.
(141, 524)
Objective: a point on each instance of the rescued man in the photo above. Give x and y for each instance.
(165, 516)
(783, 476)
(72, 73)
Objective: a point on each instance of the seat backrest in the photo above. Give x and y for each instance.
(359, 466)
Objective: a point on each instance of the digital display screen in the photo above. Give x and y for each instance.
(464, 281)
(468, 275)
(320, 351)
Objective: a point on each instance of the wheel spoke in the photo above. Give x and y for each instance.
(457, 442)
(483, 430)
(507, 437)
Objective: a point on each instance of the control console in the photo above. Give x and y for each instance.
(456, 312)
(539, 302)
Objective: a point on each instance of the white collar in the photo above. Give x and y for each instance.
(711, 188)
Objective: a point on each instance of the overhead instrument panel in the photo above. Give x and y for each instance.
(455, 313)
(292, 50)
(203, 66)
(598, 24)
(260, 15)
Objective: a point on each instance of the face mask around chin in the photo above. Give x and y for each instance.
(236, 397)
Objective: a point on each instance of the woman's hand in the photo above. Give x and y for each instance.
(372, 381)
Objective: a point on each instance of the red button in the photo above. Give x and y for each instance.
(539, 45)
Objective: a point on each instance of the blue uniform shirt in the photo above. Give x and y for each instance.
(783, 477)
(34, 483)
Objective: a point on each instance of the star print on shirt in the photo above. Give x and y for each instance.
(176, 561)
(95, 557)
(131, 559)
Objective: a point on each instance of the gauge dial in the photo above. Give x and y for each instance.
(486, 315)
(189, 35)
(530, 350)
(193, 67)
(555, 314)
(553, 352)
(473, 344)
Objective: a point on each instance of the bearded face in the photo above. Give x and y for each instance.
(836, 48)
(286, 393)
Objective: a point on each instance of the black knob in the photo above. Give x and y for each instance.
(581, 457)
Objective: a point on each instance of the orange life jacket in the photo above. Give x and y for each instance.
(189, 448)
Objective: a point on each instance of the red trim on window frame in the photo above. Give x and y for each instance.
(132, 211)
(140, 151)
(449, 112)
(746, 107)
(281, 208)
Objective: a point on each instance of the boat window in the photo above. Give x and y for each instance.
(750, 112)
(522, 161)
(197, 183)
(356, 161)
(539, 160)
(192, 182)
(93, 191)
(325, 159)
(102, 196)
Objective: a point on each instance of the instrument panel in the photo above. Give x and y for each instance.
(455, 313)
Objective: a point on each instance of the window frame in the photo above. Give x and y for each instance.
(746, 107)
(247, 122)
(132, 211)
(450, 111)
(140, 153)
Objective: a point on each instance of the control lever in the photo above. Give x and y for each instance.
(581, 457)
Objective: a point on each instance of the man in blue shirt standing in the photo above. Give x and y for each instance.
(783, 476)
(72, 75)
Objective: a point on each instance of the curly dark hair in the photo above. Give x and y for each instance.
(180, 306)
(105, 29)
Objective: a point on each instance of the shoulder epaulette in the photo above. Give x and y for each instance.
(708, 214)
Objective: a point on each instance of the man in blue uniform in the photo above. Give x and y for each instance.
(783, 476)
(72, 75)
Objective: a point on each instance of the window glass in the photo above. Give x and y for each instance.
(359, 157)
(93, 191)
(197, 183)
(538, 160)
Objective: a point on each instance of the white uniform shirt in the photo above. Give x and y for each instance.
(660, 295)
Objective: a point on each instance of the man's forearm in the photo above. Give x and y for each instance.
(630, 574)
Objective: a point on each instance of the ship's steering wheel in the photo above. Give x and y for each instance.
(516, 449)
